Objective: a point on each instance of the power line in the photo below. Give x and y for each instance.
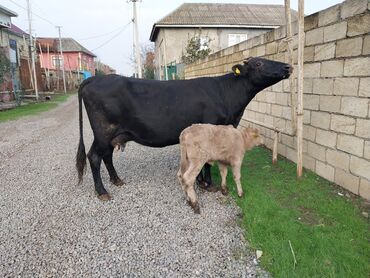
(116, 35)
(102, 35)
(44, 19)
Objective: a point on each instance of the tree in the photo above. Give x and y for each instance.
(4, 66)
(196, 48)
(147, 54)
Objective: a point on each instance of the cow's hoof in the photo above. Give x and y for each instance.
(224, 191)
(196, 208)
(209, 187)
(104, 197)
(117, 182)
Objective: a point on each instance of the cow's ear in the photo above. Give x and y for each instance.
(238, 70)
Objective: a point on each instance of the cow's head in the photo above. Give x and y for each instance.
(261, 72)
(252, 138)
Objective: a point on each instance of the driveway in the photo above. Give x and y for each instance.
(52, 227)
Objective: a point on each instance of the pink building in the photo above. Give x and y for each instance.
(76, 58)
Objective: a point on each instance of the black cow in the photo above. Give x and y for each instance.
(153, 113)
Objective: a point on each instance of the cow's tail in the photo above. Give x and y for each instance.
(81, 153)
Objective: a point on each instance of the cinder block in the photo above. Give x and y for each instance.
(330, 103)
(360, 167)
(325, 51)
(343, 124)
(291, 154)
(307, 85)
(350, 144)
(311, 21)
(326, 138)
(320, 119)
(367, 150)
(282, 98)
(276, 110)
(311, 102)
(347, 180)
(309, 162)
(325, 170)
(346, 86)
(261, 51)
(366, 47)
(271, 48)
(315, 36)
(359, 25)
(349, 47)
(316, 151)
(329, 15)
(309, 54)
(309, 132)
(306, 117)
(337, 159)
(357, 66)
(364, 90)
(335, 32)
(354, 106)
(332, 68)
(364, 191)
(353, 7)
(311, 70)
(286, 113)
(323, 86)
(363, 128)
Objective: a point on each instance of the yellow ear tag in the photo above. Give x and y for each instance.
(237, 71)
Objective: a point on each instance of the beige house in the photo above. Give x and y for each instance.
(220, 25)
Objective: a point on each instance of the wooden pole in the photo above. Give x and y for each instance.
(48, 67)
(301, 39)
(274, 149)
(288, 22)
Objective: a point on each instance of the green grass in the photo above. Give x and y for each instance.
(329, 236)
(32, 109)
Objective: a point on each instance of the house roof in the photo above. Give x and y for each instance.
(16, 30)
(68, 44)
(223, 15)
(7, 12)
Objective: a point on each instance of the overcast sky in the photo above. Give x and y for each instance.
(103, 26)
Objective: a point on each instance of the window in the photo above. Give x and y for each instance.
(204, 41)
(236, 38)
(57, 61)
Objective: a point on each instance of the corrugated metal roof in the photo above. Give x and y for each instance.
(213, 14)
(8, 12)
(68, 44)
(226, 14)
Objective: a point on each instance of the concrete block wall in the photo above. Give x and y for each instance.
(336, 92)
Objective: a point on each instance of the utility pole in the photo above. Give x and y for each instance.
(136, 41)
(32, 49)
(62, 59)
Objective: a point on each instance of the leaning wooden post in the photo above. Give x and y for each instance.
(288, 23)
(274, 149)
(301, 40)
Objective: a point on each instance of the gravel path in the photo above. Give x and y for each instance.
(50, 227)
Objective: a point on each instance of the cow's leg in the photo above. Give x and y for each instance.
(95, 159)
(188, 180)
(107, 158)
(236, 174)
(223, 173)
(207, 183)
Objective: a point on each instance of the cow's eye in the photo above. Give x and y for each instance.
(258, 64)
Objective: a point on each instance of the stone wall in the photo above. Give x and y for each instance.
(336, 92)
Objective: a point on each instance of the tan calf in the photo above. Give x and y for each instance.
(206, 143)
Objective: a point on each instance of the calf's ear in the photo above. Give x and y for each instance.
(238, 70)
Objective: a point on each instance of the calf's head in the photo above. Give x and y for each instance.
(252, 138)
(262, 73)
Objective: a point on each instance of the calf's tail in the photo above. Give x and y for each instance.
(81, 153)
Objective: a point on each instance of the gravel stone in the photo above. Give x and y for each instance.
(52, 227)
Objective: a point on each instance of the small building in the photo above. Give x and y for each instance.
(13, 46)
(101, 68)
(78, 61)
(218, 25)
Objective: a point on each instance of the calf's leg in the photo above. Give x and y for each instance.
(108, 161)
(223, 172)
(188, 180)
(236, 174)
(95, 159)
(206, 182)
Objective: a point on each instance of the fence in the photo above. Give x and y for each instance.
(336, 128)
